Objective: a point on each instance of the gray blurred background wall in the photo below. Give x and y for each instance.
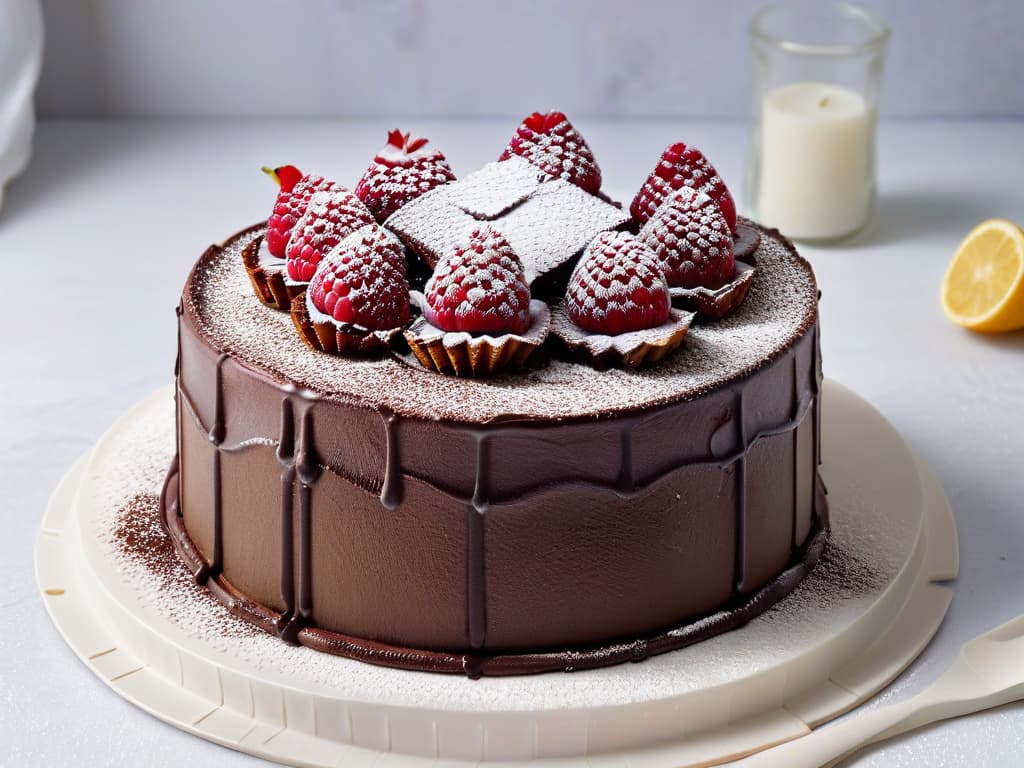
(458, 58)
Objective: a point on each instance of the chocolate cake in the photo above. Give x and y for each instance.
(556, 516)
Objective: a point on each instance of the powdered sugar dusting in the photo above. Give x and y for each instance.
(495, 189)
(712, 304)
(617, 286)
(546, 225)
(682, 166)
(552, 144)
(288, 209)
(362, 281)
(479, 287)
(691, 239)
(781, 306)
(430, 225)
(621, 343)
(403, 170)
(330, 217)
(555, 223)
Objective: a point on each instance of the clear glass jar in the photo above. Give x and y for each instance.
(817, 77)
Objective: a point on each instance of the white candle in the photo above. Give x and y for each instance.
(816, 155)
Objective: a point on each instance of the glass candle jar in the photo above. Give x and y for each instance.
(817, 76)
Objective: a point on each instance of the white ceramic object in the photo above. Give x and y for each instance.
(840, 637)
(989, 672)
(21, 58)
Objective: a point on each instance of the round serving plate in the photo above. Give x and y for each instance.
(864, 613)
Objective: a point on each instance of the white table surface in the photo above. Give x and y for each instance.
(96, 239)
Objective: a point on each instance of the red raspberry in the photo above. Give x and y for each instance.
(682, 166)
(402, 171)
(328, 219)
(480, 287)
(617, 287)
(292, 201)
(691, 239)
(553, 145)
(362, 281)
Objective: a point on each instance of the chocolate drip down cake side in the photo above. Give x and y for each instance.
(499, 424)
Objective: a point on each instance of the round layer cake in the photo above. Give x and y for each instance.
(554, 518)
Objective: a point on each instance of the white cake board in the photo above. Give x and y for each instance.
(854, 624)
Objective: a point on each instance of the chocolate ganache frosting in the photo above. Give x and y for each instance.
(554, 518)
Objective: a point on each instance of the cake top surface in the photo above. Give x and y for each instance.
(779, 309)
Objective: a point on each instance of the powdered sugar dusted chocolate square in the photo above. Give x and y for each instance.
(496, 188)
(555, 223)
(430, 224)
(546, 222)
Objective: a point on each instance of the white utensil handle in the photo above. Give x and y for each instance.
(957, 692)
(824, 745)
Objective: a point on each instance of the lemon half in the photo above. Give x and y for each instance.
(984, 286)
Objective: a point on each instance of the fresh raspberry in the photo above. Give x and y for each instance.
(617, 287)
(292, 200)
(362, 281)
(691, 239)
(402, 171)
(480, 287)
(682, 166)
(551, 143)
(328, 219)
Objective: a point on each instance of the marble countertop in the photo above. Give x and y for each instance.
(96, 239)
